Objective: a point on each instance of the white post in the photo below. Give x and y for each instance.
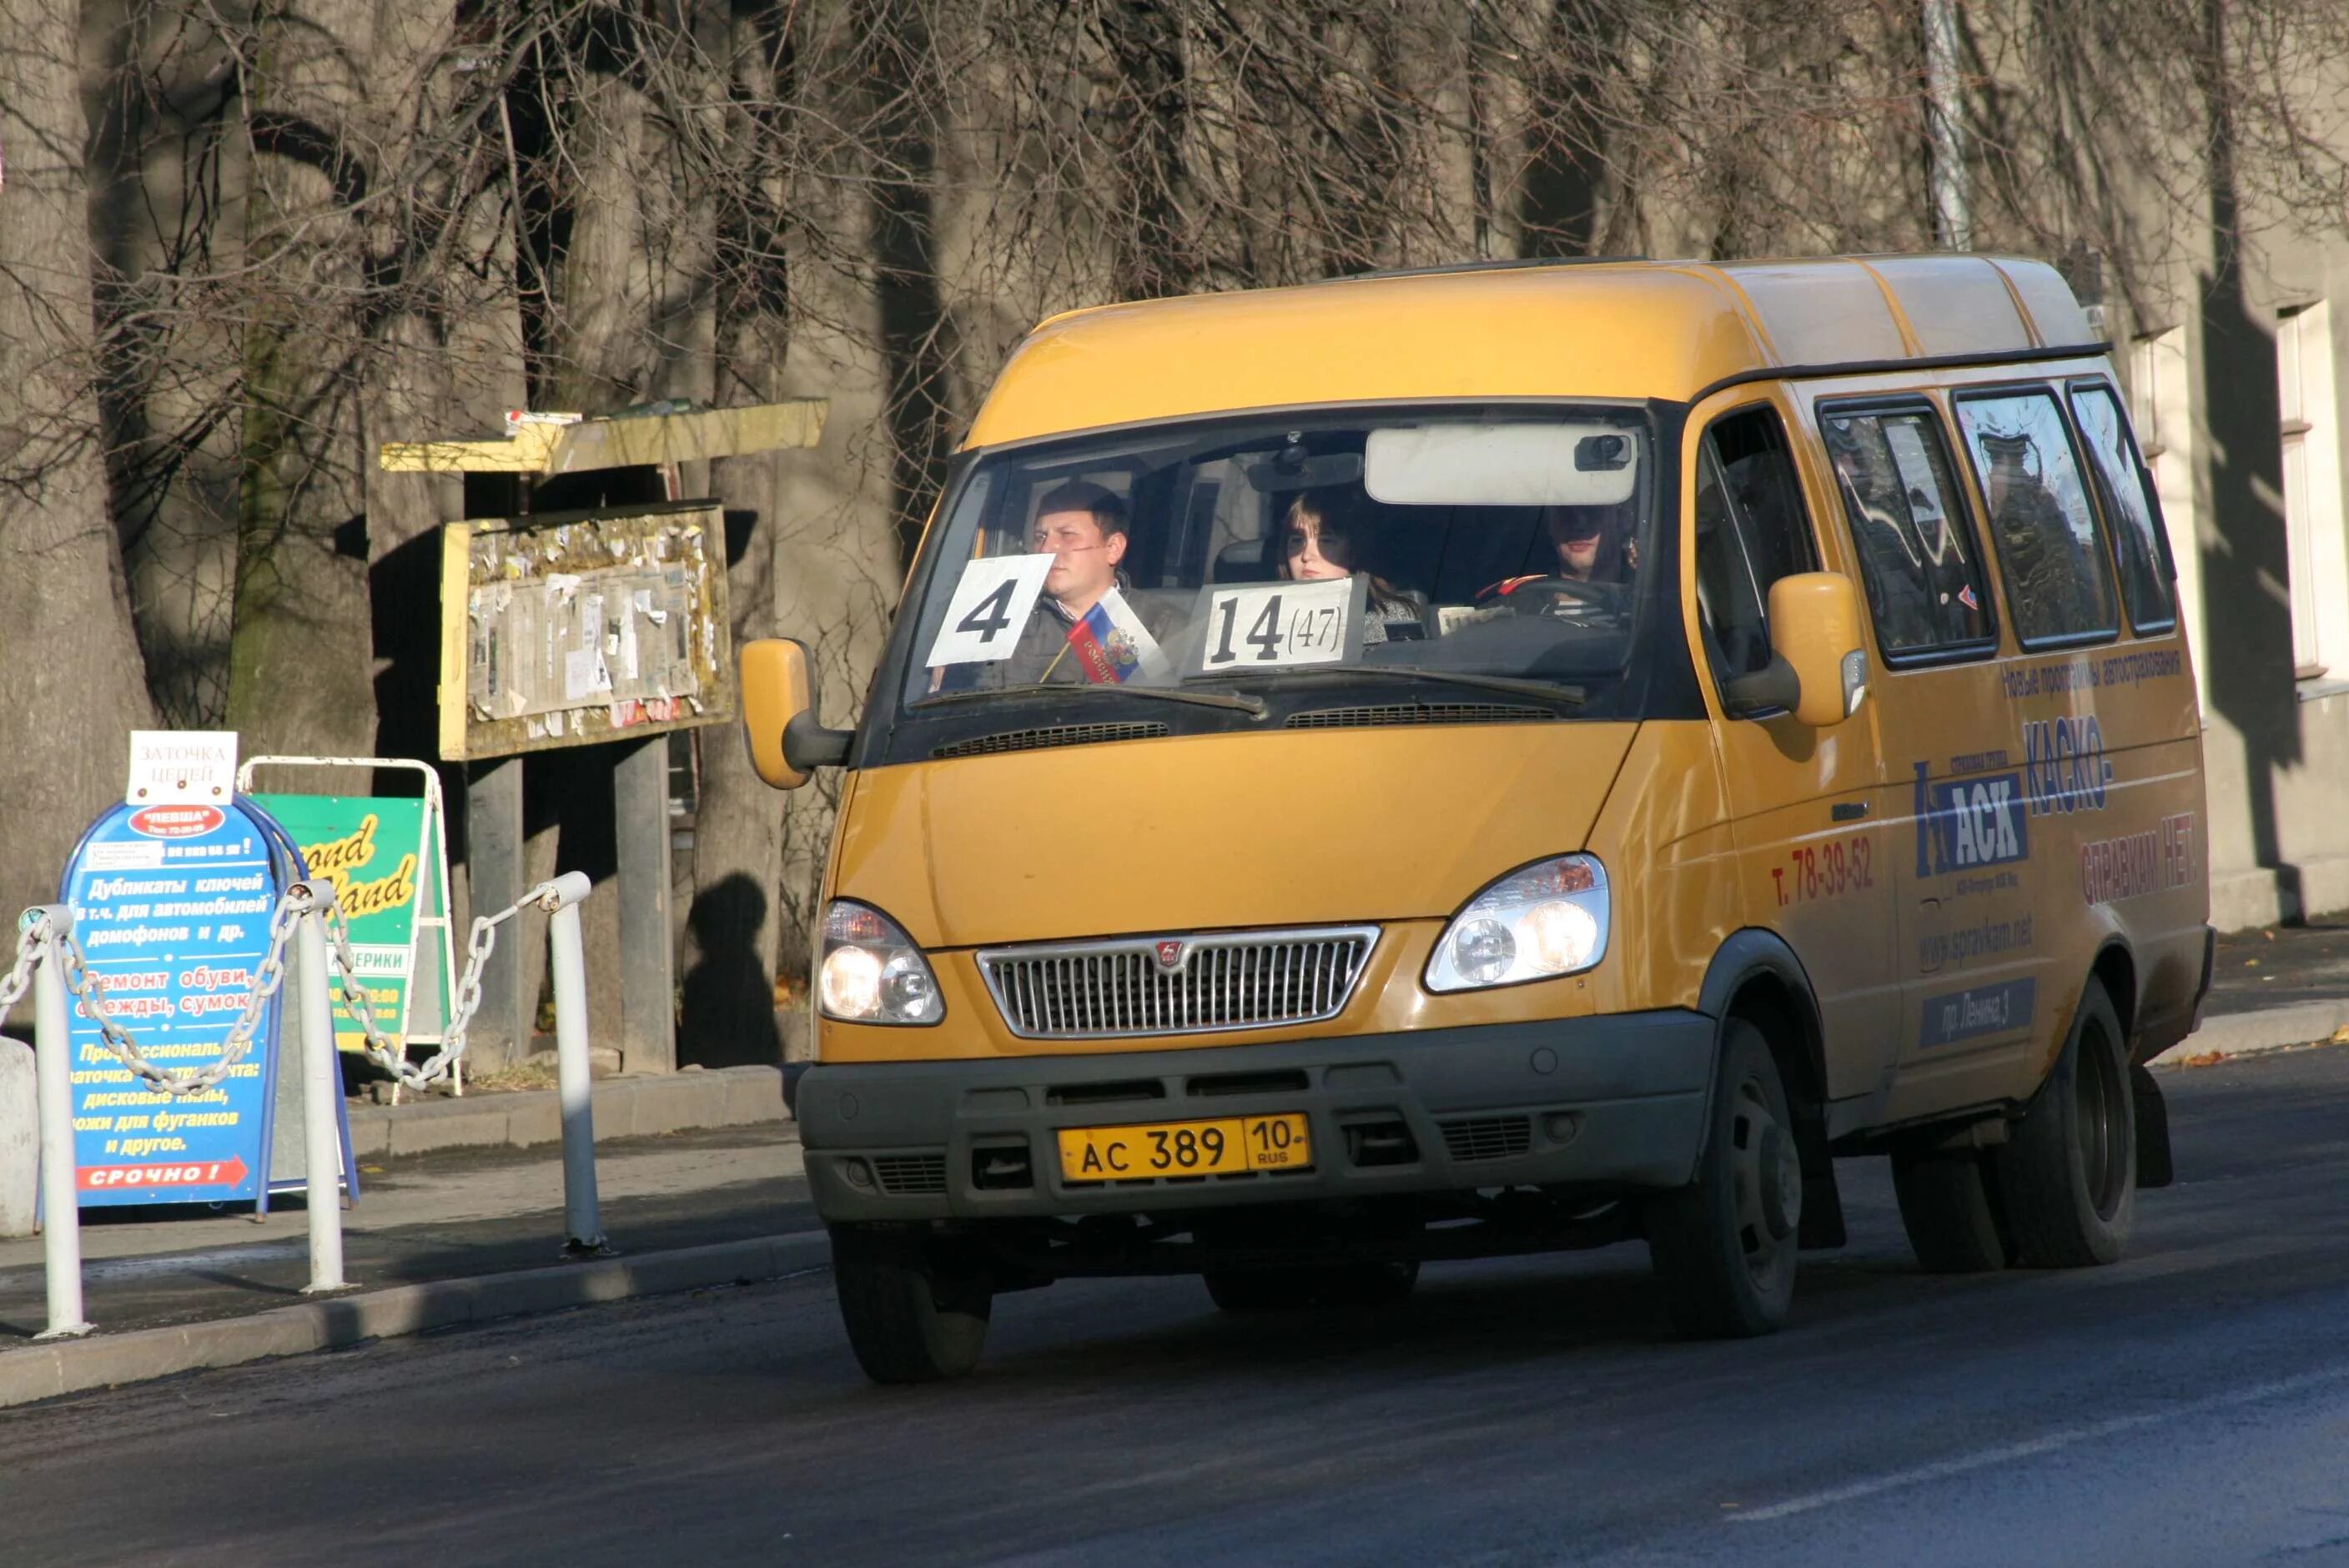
(1945, 129)
(322, 1092)
(584, 1224)
(53, 1069)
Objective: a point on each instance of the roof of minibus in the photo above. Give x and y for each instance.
(1589, 329)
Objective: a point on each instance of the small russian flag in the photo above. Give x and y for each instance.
(1111, 642)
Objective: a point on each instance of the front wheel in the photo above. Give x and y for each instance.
(1329, 1284)
(2066, 1176)
(1723, 1246)
(910, 1318)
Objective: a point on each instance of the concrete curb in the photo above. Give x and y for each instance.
(624, 1108)
(106, 1360)
(2264, 1029)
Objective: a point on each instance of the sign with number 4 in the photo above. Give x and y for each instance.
(990, 607)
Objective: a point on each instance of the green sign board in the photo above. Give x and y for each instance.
(378, 852)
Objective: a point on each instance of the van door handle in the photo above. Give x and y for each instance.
(1848, 810)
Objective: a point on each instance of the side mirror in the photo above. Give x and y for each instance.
(1815, 633)
(787, 741)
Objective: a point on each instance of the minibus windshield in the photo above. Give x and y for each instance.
(1466, 555)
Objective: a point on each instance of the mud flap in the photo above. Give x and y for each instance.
(2153, 1166)
(1821, 1226)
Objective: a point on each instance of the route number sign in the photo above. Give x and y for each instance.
(990, 608)
(1270, 625)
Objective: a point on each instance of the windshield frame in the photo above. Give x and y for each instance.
(1659, 679)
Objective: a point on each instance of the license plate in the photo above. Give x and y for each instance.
(1227, 1146)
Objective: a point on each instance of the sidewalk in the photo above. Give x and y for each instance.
(2283, 985)
(448, 1236)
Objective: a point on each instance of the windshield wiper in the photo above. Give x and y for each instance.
(1571, 696)
(1237, 701)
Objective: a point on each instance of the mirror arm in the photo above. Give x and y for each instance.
(1774, 686)
(808, 744)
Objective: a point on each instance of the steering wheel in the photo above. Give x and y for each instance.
(1542, 596)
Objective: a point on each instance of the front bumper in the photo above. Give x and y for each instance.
(1616, 1100)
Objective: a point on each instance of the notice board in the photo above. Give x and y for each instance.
(570, 629)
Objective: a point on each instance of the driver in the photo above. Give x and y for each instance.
(1589, 545)
(1592, 543)
(1083, 629)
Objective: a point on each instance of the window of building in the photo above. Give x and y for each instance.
(2129, 507)
(2319, 559)
(1751, 530)
(1917, 552)
(2050, 546)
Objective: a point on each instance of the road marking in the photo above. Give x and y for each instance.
(2006, 1453)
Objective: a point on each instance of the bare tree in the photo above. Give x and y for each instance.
(316, 224)
(73, 682)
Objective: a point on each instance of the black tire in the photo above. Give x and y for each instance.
(1329, 1284)
(2066, 1177)
(1724, 1245)
(1949, 1210)
(909, 1321)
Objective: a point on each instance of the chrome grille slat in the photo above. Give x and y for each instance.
(1232, 980)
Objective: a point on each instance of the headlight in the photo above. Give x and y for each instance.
(871, 972)
(1543, 920)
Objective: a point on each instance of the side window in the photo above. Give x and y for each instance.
(1916, 554)
(2049, 544)
(2135, 521)
(1751, 530)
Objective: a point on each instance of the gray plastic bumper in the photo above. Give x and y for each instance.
(1616, 1101)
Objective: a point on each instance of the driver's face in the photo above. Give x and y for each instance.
(1577, 539)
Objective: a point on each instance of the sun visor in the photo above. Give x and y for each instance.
(1550, 463)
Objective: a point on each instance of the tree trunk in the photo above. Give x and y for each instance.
(72, 684)
(733, 924)
(300, 670)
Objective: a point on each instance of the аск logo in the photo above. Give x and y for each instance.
(1964, 823)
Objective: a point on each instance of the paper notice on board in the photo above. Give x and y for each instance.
(583, 675)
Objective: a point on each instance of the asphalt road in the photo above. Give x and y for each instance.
(2189, 1406)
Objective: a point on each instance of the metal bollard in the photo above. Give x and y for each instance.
(322, 1091)
(52, 1070)
(581, 1223)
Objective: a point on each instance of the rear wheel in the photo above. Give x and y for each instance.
(1948, 1208)
(2066, 1177)
(1328, 1284)
(1724, 1245)
(910, 1318)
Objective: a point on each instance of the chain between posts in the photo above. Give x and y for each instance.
(295, 902)
(20, 978)
(290, 909)
(360, 1003)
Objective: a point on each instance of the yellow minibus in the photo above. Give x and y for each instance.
(1503, 759)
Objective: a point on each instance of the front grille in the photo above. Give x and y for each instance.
(1386, 714)
(911, 1175)
(1055, 735)
(1488, 1137)
(1244, 980)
